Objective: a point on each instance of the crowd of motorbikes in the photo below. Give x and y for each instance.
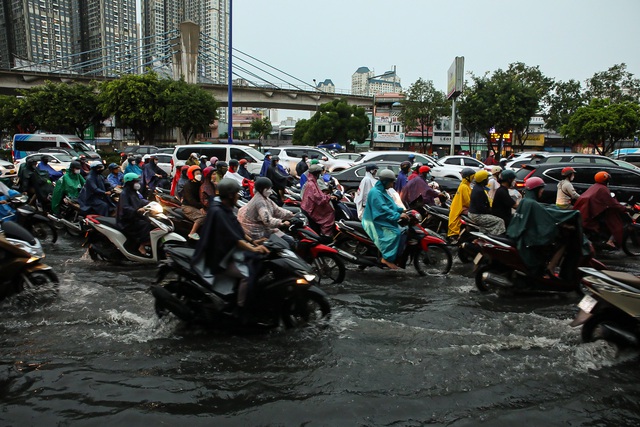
(287, 291)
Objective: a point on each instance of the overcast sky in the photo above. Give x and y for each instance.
(332, 38)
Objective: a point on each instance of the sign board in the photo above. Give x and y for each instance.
(388, 137)
(534, 140)
(455, 78)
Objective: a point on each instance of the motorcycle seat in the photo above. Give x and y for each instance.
(181, 252)
(356, 225)
(179, 213)
(503, 238)
(626, 278)
(439, 209)
(108, 221)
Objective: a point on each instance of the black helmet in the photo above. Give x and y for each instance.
(262, 184)
(275, 158)
(467, 172)
(45, 159)
(227, 188)
(507, 175)
(75, 165)
(371, 166)
(221, 164)
(233, 162)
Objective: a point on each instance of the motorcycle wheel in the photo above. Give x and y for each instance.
(38, 286)
(435, 261)
(631, 242)
(44, 231)
(166, 303)
(302, 311)
(480, 283)
(329, 268)
(594, 329)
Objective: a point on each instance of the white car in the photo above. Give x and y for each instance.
(291, 156)
(438, 169)
(462, 162)
(164, 161)
(7, 170)
(57, 161)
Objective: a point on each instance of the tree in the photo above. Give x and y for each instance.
(8, 114)
(334, 122)
(261, 127)
(189, 108)
(62, 108)
(616, 83)
(601, 124)
(563, 100)
(423, 105)
(138, 103)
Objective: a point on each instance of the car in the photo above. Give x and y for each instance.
(634, 159)
(7, 170)
(625, 183)
(224, 152)
(348, 156)
(291, 156)
(540, 158)
(168, 150)
(438, 170)
(141, 149)
(627, 164)
(164, 161)
(462, 162)
(350, 178)
(58, 161)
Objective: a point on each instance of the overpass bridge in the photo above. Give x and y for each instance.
(288, 98)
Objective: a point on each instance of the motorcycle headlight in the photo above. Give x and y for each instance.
(308, 279)
(288, 253)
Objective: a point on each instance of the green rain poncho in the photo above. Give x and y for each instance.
(69, 185)
(380, 221)
(535, 225)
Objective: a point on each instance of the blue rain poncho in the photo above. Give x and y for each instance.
(380, 221)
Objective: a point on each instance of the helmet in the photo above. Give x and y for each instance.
(206, 172)
(416, 166)
(371, 167)
(192, 170)
(123, 154)
(45, 159)
(75, 165)
(82, 157)
(233, 162)
(602, 177)
(404, 164)
(495, 170)
(228, 188)
(275, 158)
(131, 177)
(412, 156)
(262, 184)
(467, 173)
(268, 153)
(315, 168)
(481, 176)
(213, 160)
(387, 175)
(96, 164)
(221, 164)
(113, 166)
(194, 155)
(424, 169)
(568, 171)
(203, 157)
(533, 183)
(507, 175)
(243, 161)
(153, 156)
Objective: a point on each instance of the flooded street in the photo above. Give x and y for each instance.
(398, 350)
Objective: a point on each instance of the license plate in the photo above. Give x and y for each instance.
(477, 259)
(587, 304)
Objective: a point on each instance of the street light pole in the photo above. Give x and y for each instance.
(230, 89)
(373, 121)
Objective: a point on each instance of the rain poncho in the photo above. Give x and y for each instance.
(54, 175)
(318, 206)
(380, 221)
(93, 198)
(416, 188)
(235, 176)
(133, 168)
(595, 205)
(115, 180)
(265, 166)
(261, 217)
(69, 185)
(460, 203)
(132, 224)
(150, 174)
(402, 180)
(365, 186)
(6, 210)
(535, 225)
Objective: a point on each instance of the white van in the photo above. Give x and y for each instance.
(223, 152)
(27, 143)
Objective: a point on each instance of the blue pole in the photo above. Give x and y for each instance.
(230, 77)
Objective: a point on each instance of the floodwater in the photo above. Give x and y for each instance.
(399, 350)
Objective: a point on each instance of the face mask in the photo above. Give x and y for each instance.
(266, 193)
(198, 177)
(137, 186)
(429, 177)
(76, 171)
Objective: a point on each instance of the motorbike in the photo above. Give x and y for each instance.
(610, 308)
(631, 234)
(106, 242)
(437, 219)
(285, 291)
(165, 198)
(69, 218)
(33, 220)
(499, 266)
(21, 263)
(325, 261)
(425, 249)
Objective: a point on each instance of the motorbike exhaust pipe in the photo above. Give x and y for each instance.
(71, 225)
(347, 255)
(53, 218)
(496, 280)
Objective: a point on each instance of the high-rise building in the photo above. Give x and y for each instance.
(4, 36)
(364, 82)
(161, 19)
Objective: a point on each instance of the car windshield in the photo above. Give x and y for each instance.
(64, 157)
(254, 153)
(80, 146)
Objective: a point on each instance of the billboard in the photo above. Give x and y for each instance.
(455, 78)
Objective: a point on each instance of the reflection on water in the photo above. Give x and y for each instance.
(399, 350)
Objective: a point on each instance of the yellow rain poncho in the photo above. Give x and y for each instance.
(459, 203)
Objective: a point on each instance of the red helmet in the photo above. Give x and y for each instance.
(533, 183)
(243, 161)
(424, 169)
(191, 171)
(568, 171)
(602, 177)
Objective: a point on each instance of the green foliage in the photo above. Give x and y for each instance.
(8, 114)
(188, 107)
(563, 100)
(261, 127)
(423, 105)
(602, 123)
(616, 83)
(335, 122)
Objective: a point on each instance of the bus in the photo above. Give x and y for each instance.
(26, 143)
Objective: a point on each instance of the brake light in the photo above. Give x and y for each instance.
(519, 184)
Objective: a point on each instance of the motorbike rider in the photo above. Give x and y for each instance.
(415, 170)
(276, 176)
(460, 203)
(69, 185)
(600, 210)
(403, 176)
(203, 162)
(34, 181)
(115, 177)
(133, 167)
(130, 213)
(417, 192)
(503, 203)
(316, 204)
(191, 205)
(566, 193)
(182, 181)
(261, 217)
(380, 220)
(94, 196)
(221, 171)
(265, 164)
(494, 183)
(208, 188)
(152, 175)
(232, 173)
(231, 254)
(480, 206)
(193, 160)
(6, 194)
(86, 168)
(54, 175)
(243, 171)
(302, 165)
(367, 183)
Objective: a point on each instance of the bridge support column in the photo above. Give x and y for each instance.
(185, 53)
